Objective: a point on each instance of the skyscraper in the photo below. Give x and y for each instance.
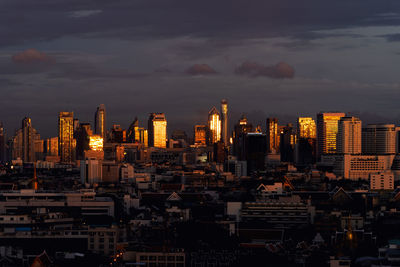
(28, 143)
(379, 139)
(306, 127)
(349, 136)
(133, 131)
(239, 135)
(224, 120)
(287, 143)
(157, 127)
(100, 121)
(214, 126)
(272, 135)
(327, 129)
(66, 136)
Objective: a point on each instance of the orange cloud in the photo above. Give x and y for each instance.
(200, 69)
(30, 56)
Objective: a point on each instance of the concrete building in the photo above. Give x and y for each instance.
(379, 139)
(349, 136)
(381, 181)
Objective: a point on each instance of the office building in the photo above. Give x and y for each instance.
(224, 121)
(132, 134)
(100, 125)
(157, 127)
(379, 139)
(214, 126)
(255, 150)
(66, 142)
(51, 146)
(239, 134)
(349, 136)
(28, 143)
(327, 129)
(306, 127)
(273, 135)
(3, 157)
(381, 181)
(287, 143)
(200, 135)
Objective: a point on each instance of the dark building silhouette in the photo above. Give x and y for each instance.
(239, 135)
(255, 151)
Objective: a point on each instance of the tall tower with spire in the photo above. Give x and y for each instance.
(100, 121)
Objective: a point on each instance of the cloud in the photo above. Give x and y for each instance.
(200, 69)
(279, 71)
(31, 56)
(84, 13)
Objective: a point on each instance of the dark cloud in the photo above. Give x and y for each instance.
(200, 69)
(279, 71)
(31, 56)
(392, 37)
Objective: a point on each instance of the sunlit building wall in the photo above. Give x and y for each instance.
(224, 121)
(157, 134)
(214, 126)
(51, 146)
(306, 127)
(28, 143)
(100, 121)
(273, 135)
(96, 143)
(200, 135)
(66, 141)
(327, 129)
(349, 136)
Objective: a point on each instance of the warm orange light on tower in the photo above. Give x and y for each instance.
(96, 143)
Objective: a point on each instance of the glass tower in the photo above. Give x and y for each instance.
(157, 130)
(66, 136)
(214, 126)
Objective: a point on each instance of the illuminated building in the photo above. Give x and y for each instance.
(327, 129)
(100, 121)
(51, 146)
(379, 139)
(66, 142)
(157, 127)
(224, 120)
(133, 132)
(349, 136)
(306, 127)
(272, 135)
(23, 142)
(143, 136)
(96, 143)
(214, 126)
(239, 134)
(200, 135)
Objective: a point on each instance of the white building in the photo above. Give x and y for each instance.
(379, 139)
(382, 181)
(349, 136)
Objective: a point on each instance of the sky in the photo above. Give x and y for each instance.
(282, 58)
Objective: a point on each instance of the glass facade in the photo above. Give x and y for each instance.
(96, 143)
(157, 130)
(214, 126)
(327, 127)
(66, 136)
(306, 127)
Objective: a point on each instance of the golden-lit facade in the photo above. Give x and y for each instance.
(327, 129)
(157, 132)
(52, 146)
(96, 143)
(66, 140)
(214, 126)
(100, 121)
(224, 121)
(273, 135)
(200, 135)
(306, 127)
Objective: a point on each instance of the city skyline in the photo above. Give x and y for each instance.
(178, 62)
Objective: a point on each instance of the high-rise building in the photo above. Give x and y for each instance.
(143, 136)
(118, 135)
(66, 142)
(200, 135)
(272, 135)
(287, 143)
(349, 136)
(82, 134)
(214, 126)
(3, 157)
(157, 127)
(28, 143)
(100, 121)
(51, 146)
(306, 127)
(239, 135)
(255, 151)
(133, 132)
(224, 120)
(379, 139)
(327, 129)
